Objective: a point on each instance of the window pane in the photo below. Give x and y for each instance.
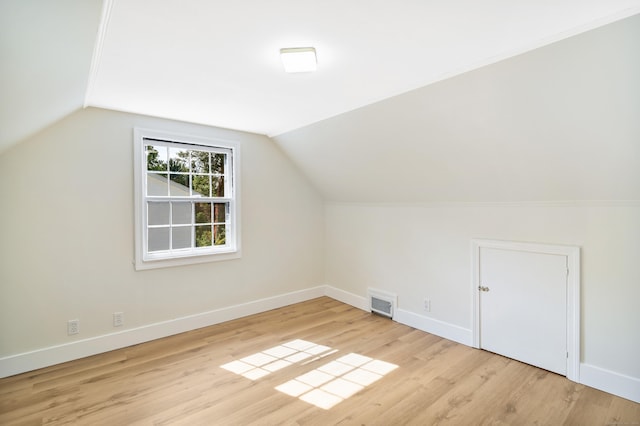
(178, 160)
(157, 184)
(156, 158)
(219, 232)
(203, 236)
(200, 185)
(181, 237)
(158, 213)
(179, 186)
(217, 163)
(158, 239)
(200, 162)
(181, 213)
(219, 212)
(203, 212)
(217, 186)
(186, 201)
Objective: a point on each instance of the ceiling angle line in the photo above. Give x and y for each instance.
(105, 17)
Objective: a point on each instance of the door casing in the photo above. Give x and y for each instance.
(573, 292)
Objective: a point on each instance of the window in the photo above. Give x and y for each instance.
(186, 199)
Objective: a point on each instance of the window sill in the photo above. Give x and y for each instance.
(141, 265)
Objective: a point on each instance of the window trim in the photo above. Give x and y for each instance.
(143, 260)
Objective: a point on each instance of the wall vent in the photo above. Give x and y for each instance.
(382, 303)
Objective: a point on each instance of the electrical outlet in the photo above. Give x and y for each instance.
(73, 327)
(427, 305)
(118, 319)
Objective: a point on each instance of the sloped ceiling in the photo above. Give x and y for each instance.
(555, 124)
(215, 62)
(45, 57)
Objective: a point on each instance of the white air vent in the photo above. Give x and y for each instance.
(381, 302)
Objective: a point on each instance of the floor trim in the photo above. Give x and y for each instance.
(611, 382)
(40, 358)
(343, 296)
(434, 326)
(608, 381)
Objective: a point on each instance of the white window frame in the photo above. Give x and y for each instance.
(231, 250)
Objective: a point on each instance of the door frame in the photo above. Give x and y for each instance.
(573, 292)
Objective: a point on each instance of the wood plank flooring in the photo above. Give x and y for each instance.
(179, 380)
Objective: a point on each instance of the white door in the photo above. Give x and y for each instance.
(523, 306)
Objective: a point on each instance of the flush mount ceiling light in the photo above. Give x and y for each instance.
(299, 59)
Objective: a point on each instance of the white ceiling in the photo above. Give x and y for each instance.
(45, 58)
(216, 62)
(555, 124)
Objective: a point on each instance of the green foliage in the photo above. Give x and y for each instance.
(201, 185)
(217, 163)
(200, 162)
(205, 169)
(203, 236)
(203, 212)
(220, 235)
(153, 162)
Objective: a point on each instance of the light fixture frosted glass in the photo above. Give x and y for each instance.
(299, 59)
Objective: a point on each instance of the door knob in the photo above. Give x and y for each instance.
(481, 288)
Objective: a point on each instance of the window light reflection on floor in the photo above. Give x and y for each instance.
(336, 381)
(266, 362)
(324, 386)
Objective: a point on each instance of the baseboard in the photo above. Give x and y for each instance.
(29, 361)
(608, 381)
(434, 326)
(348, 298)
(420, 322)
(611, 382)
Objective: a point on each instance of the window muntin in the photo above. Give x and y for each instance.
(187, 202)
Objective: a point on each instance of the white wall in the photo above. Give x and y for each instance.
(420, 251)
(554, 124)
(67, 245)
(410, 180)
(45, 49)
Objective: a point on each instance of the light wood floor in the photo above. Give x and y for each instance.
(179, 380)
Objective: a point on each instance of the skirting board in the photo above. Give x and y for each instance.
(596, 377)
(420, 322)
(611, 382)
(433, 326)
(348, 298)
(29, 361)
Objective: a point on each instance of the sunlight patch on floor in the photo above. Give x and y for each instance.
(324, 386)
(273, 359)
(337, 380)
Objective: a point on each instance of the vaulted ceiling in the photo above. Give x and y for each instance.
(216, 62)
(45, 57)
(392, 97)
